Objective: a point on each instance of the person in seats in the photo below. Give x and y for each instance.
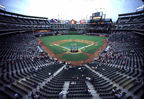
(83, 76)
(114, 90)
(67, 92)
(36, 96)
(73, 83)
(138, 81)
(88, 78)
(86, 91)
(61, 95)
(49, 74)
(92, 79)
(35, 85)
(129, 97)
(16, 95)
(118, 94)
(32, 95)
(89, 91)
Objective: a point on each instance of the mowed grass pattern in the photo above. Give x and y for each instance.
(72, 57)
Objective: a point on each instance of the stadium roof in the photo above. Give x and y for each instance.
(134, 13)
(11, 13)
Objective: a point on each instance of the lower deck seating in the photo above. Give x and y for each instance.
(24, 71)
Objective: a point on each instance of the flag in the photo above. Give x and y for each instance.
(54, 21)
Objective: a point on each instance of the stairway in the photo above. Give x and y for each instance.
(92, 90)
(65, 88)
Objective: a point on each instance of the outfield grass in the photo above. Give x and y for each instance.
(48, 39)
(74, 57)
(69, 44)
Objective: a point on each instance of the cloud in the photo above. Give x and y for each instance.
(71, 9)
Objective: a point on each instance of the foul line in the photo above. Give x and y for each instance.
(86, 46)
(61, 46)
(69, 49)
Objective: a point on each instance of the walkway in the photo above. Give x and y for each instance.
(65, 88)
(92, 90)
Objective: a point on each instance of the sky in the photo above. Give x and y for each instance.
(71, 9)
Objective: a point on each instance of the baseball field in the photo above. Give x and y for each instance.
(72, 48)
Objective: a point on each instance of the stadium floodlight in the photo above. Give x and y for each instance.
(1, 6)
